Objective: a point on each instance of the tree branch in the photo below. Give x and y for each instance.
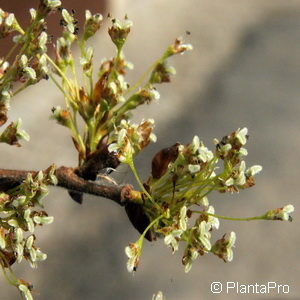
(68, 179)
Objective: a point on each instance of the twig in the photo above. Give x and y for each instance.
(68, 179)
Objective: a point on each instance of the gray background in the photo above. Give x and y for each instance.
(244, 71)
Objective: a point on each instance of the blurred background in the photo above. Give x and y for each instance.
(244, 71)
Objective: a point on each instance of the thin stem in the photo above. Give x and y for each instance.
(9, 54)
(132, 167)
(57, 84)
(75, 78)
(262, 217)
(13, 280)
(59, 71)
(142, 78)
(13, 69)
(150, 225)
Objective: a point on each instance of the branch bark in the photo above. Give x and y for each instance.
(68, 179)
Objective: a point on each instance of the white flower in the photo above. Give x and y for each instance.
(182, 218)
(204, 235)
(243, 152)
(282, 214)
(25, 291)
(241, 135)
(253, 170)
(204, 201)
(213, 221)
(230, 245)
(204, 154)
(192, 256)
(193, 168)
(171, 239)
(133, 252)
(195, 144)
(223, 247)
(241, 178)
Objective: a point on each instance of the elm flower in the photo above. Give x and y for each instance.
(133, 252)
(253, 170)
(211, 220)
(282, 214)
(190, 255)
(182, 219)
(205, 155)
(204, 235)
(223, 247)
(241, 135)
(172, 239)
(25, 291)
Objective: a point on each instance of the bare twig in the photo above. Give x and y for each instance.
(68, 179)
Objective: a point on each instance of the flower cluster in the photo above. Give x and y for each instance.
(8, 24)
(105, 105)
(131, 139)
(19, 217)
(182, 177)
(27, 62)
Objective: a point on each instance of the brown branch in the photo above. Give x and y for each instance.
(69, 180)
